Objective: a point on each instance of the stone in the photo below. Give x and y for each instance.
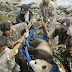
(62, 7)
(58, 12)
(69, 10)
(70, 14)
(38, 18)
(60, 19)
(63, 14)
(6, 6)
(34, 6)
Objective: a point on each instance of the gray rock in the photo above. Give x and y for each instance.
(70, 14)
(69, 10)
(6, 6)
(34, 6)
(58, 12)
(38, 18)
(13, 0)
(62, 7)
(63, 14)
(60, 19)
(58, 16)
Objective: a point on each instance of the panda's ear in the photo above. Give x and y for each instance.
(34, 43)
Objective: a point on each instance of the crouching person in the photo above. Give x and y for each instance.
(68, 54)
(64, 54)
(5, 64)
(13, 33)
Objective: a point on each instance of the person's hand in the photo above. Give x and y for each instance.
(19, 40)
(61, 45)
(42, 22)
(46, 24)
(16, 42)
(16, 51)
(27, 34)
(60, 69)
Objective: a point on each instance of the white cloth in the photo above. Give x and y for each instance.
(60, 69)
(27, 34)
(27, 17)
(6, 65)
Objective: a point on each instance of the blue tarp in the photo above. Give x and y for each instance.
(44, 37)
(31, 35)
(26, 54)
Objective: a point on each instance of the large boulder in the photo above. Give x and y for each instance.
(60, 19)
(69, 10)
(70, 14)
(63, 7)
(34, 6)
(6, 6)
(58, 12)
(63, 14)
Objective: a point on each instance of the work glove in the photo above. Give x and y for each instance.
(19, 40)
(60, 69)
(27, 34)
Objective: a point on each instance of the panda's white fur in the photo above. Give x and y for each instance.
(41, 65)
(44, 46)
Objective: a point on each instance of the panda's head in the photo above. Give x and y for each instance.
(41, 65)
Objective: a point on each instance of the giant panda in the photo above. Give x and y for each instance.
(41, 55)
(42, 59)
(41, 44)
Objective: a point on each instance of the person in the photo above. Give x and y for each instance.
(48, 13)
(13, 33)
(65, 54)
(69, 53)
(24, 14)
(62, 32)
(5, 64)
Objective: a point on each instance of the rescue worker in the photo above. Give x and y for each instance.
(48, 12)
(13, 33)
(64, 54)
(24, 14)
(68, 54)
(62, 32)
(5, 64)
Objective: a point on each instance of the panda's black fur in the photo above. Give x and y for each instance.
(35, 54)
(40, 54)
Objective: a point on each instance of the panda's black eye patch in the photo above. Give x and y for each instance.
(35, 62)
(44, 67)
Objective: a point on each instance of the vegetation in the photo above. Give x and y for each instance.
(5, 18)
